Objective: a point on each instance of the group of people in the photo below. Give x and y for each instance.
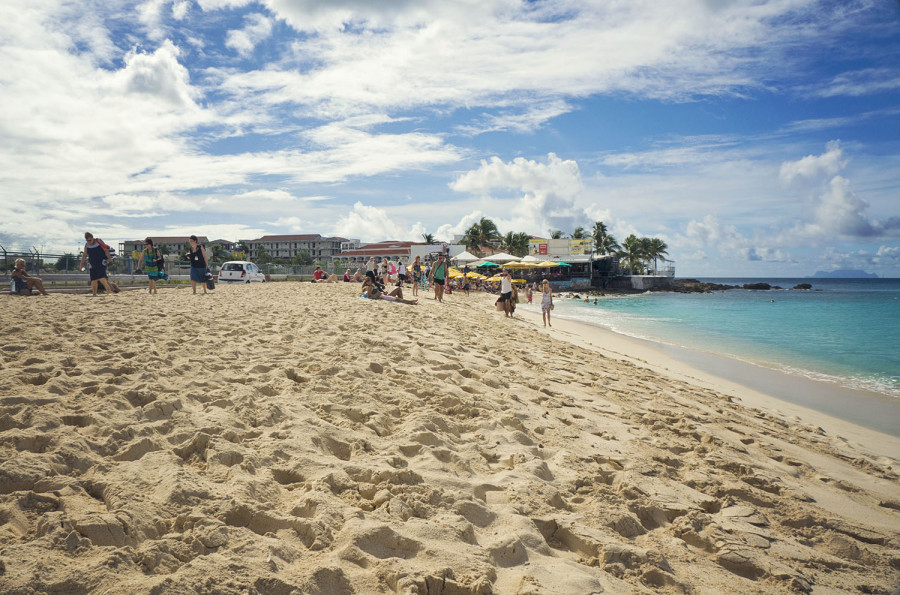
(153, 264)
(375, 281)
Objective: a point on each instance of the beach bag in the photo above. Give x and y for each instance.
(210, 284)
(499, 305)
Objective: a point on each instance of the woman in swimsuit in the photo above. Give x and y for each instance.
(546, 302)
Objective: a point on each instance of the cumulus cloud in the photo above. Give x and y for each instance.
(548, 191)
(815, 166)
(371, 224)
(836, 210)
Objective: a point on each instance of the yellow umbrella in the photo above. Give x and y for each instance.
(495, 278)
(547, 263)
(474, 275)
(518, 280)
(520, 265)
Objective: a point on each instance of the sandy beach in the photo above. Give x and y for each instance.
(292, 437)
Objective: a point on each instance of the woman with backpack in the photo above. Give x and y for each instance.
(199, 264)
(151, 263)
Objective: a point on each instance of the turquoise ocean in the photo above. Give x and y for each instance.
(845, 332)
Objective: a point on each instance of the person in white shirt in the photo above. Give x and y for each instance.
(506, 293)
(401, 272)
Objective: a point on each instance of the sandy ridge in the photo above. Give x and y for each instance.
(295, 438)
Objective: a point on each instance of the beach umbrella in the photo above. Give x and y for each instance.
(531, 258)
(495, 278)
(486, 263)
(563, 264)
(521, 265)
(547, 264)
(465, 257)
(503, 257)
(518, 280)
(474, 275)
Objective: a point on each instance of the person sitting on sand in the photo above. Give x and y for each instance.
(358, 276)
(320, 276)
(25, 282)
(374, 293)
(347, 276)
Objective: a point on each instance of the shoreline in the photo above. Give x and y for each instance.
(756, 386)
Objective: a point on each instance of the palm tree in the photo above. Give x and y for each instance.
(516, 243)
(483, 233)
(604, 243)
(429, 239)
(556, 234)
(633, 250)
(215, 252)
(579, 234)
(656, 248)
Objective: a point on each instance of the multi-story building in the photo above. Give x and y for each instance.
(290, 246)
(390, 249)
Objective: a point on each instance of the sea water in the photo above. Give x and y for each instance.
(845, 331)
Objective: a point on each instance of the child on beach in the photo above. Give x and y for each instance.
(151, 258)
(24, 281)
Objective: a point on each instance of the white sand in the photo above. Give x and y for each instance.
(295, 438)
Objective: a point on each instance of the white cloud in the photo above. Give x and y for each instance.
(257, 27)
(292, 224)
(372, 224)
(815, 166)
(548, 191)
(859, 82)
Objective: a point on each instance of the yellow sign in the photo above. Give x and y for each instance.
(135, 255)
(580, 246)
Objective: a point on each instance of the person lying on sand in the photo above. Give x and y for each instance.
(25, 281)
(396, 294)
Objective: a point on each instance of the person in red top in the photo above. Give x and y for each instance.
(320, 276)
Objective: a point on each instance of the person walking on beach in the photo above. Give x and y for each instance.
(151, 259)
(97, 255)
(25, 281)
(370, 265)
(438, 277)
(416, 274)
(199, 264)
(546, 302)
(506, 293)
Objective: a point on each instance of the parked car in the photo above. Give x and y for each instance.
(240, 271)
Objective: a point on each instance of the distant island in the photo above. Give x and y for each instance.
(845, 274)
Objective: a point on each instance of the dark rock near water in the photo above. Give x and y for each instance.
(760, 286)
(802, 286)
(695, 286)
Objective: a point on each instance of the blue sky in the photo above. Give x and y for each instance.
(757, 137)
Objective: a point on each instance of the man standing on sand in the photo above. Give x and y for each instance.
(506, 293)
(438, 277)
